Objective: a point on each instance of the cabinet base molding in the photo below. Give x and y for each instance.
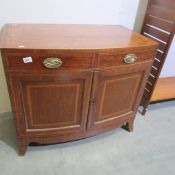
(62, 138)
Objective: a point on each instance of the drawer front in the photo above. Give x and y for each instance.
(124, 58)
(34, 61)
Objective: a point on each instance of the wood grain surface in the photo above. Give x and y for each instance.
(70, 37)
(164, 90)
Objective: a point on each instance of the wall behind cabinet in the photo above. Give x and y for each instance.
(169, 66)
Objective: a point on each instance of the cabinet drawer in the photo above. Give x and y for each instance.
(118, 58)
(35, 61)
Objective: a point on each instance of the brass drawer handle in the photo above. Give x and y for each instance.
(130, 58)
(52, 63)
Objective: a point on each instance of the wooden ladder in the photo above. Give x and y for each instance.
(159, 25)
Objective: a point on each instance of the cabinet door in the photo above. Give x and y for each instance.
(116, 94)
(56, 101)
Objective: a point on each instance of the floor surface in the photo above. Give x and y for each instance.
(149, 150)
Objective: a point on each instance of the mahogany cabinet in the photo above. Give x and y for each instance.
(68, 82)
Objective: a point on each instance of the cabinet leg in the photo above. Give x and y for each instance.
(22, 147)
(129, 126)
(144, 111)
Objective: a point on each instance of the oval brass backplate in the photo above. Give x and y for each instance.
(130, 58)
(52, 63)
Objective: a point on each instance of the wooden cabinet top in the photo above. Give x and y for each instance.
(70, 37)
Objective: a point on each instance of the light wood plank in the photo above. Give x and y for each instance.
(165, 89)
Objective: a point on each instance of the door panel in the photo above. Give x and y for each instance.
(53, 102)
(116, 94)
